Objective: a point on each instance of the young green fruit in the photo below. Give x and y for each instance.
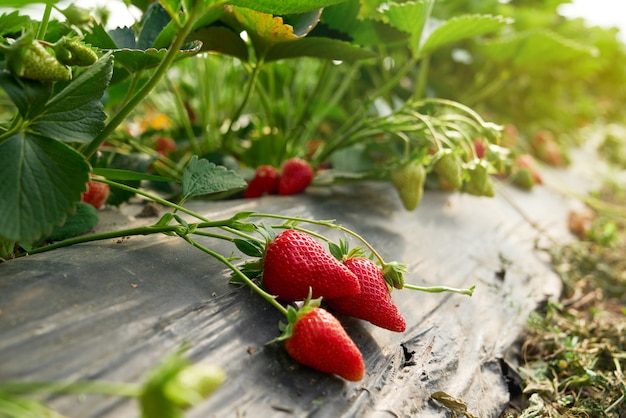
(408, 180)
(76, 53)
(34, 62)
(448, 168)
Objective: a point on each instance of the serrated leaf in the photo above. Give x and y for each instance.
(83, 220)
(38, 192)
(250, 247)
(13, 22)
(409, 17)
(137, 60)
(461, 27)
(284, 7)
(153, 21)
(535, 47)
(119, 174)
(202, 177)
(264, 26)
(28, 96)
(76, 114)
(319, 48)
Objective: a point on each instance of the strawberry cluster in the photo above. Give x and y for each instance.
(294, 177)
(295, 267)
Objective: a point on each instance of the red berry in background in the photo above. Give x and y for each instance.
(265, 181)
(164, 145)
(319, 341)
(480, 147)
(295, 176)
(96, 194)
(295, 262)
(374, 303)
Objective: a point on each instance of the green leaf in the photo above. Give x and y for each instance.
(223, 40)
(42, 180)
(153, 21)
(409, 17)
(76, 113)
(535, 47)
(83, 220)
(202, 177)
(319, 48)
(28, 96)
(284, 7)
(462, 27)
(119, 174)
(136, 60)
(13, 22)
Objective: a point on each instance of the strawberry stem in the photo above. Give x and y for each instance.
(269, 298)
(441, 289)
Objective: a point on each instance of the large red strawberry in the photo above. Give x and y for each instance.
(317, 339)
(295, 176)
(295, 262)
(96, 194)
(374, 303)
(265, 181)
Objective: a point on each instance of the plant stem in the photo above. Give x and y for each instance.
(147, 88)
(250, 88)
(269, 298)
(441, 289)
(43, 26)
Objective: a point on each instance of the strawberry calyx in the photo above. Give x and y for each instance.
(293, 314)
(393, 272)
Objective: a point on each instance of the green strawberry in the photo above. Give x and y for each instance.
(295, 263)
(31, 60)
(448, 167)
(480, 183)
(74, 52)
(315, 338)
(374, 303)
(408, 180)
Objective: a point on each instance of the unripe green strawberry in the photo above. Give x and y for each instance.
(76, 53)
(408, 180)
(448, 167)
(34, 62)
(480, 183)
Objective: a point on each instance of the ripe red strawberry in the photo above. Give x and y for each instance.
(295, 176)
(295, 262)
(96, 194)
(318, 340)
(265, 181)
(374, 303)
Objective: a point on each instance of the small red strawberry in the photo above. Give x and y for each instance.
(316, 339)
(265, 181)
(480, 147)
(374, 303)
(295, 262)
(96, 194)
(164, 145)
(295, 176)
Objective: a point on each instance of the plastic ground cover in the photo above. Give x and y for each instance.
(111, 310)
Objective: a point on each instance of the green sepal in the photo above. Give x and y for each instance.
(293, 315)
(250, 247)
(394, 274)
